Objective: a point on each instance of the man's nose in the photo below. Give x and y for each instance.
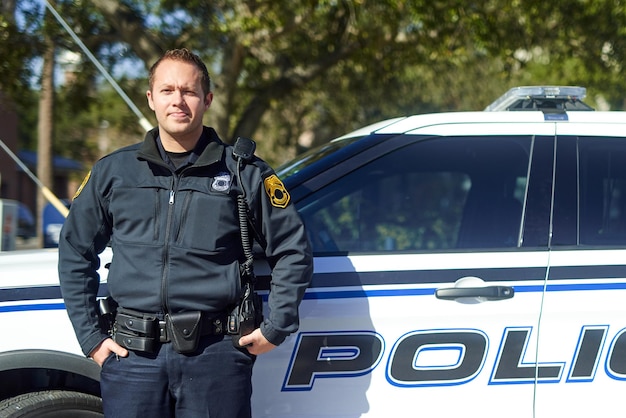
(178, 96)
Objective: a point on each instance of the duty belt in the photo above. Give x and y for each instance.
(143, 332)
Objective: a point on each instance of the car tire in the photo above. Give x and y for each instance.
(52, 404)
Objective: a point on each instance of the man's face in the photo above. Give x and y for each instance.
(178, 101)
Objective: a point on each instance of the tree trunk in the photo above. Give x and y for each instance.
(45, 130)
(225, 89)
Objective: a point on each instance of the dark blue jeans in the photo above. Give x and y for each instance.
(214, 382)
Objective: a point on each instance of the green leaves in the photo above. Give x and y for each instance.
(286, 67)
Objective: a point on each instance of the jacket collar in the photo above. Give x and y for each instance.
(209, 146)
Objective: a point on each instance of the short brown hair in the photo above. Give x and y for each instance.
(184, 55)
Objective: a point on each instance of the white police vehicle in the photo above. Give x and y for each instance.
(467, 264)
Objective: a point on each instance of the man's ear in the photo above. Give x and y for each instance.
(150, 101)
(208, 99)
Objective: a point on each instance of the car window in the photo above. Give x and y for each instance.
(602, 189)
(312, 156)
(434, 194)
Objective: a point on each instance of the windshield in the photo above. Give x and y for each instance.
(304, 160)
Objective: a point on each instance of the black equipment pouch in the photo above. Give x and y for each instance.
(246, 316)
(136, 343)
(183, 329)
(136, 331)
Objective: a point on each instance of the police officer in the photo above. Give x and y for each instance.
(168, 208)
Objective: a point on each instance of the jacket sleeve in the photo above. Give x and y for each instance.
(288, 252)
(84, 236)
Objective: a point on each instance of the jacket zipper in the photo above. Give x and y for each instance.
(166, 255)
(168, 233)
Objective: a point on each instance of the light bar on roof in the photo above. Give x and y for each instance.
(517, 94)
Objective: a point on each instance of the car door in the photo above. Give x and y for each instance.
(431, 256)
(584, 317)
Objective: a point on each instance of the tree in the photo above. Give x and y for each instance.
(17, 49)
(286, 67)
(268, 56)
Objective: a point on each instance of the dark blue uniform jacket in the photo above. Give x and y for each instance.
(175, 237)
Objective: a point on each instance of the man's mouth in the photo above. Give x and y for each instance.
(179, 115)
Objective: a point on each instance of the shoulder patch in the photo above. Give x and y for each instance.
(275, 189)
(82, 185)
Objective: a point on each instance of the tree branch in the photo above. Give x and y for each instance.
(131, 29)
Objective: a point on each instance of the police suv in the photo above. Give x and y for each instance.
(466, 264)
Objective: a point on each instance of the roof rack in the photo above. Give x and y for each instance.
(548, 99)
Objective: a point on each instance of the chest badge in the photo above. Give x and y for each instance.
(275, 189)
(221, 182)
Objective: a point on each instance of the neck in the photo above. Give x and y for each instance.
(180, 143)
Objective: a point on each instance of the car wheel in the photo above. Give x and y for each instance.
(52, 404)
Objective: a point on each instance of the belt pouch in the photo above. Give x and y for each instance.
(184, 330)
(132, 342)
(136, 323)
(135, 330)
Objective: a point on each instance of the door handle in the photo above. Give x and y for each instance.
(480, 293)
